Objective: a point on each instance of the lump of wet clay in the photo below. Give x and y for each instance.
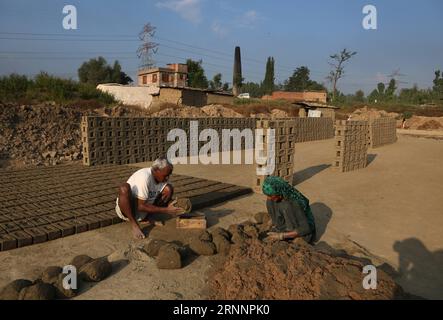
(50, 274)
(61, 292)
(238, 234)
(251, 231)
(153, 247)
(169, 257)
(96, 270)
(185, 204)
(12, 290)
(38, 291)
(222, 244)
(262, 217)
(80, 261)
(203, 245)
(221, 232)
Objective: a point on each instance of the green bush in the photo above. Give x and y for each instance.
(44, 87)
(14, 86)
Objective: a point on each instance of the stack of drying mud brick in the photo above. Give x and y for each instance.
(311, 129)
(351, 145)
(131, 140)
(382, 131)
(284, 148)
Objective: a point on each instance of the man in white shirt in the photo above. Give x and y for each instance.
(146, 192)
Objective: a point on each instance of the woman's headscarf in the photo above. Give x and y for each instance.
(276, 186)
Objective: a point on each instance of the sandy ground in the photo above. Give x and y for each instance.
(389, 211)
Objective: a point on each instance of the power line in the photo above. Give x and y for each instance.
(133, 39)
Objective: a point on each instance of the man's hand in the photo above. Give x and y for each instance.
(276, 235)
(137, 232)
(166, 193)
(172, 209)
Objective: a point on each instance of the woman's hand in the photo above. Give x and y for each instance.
(276, 235)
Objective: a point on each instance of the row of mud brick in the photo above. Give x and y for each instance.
(283, 149)
(130, 140)
(382, 131)
(351, 145)
(38, 205)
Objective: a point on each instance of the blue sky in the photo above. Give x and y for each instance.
(408, 37)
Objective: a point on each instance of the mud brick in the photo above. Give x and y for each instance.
(92, 222)
(66, 215)
(80, 225)
(7, 242)
(25, 223)
(104, 219)
(65, 227)
(9, 226)
(17, 216)
(4, 218)
(38, 221)
(116, 219)
(51, 231)
(38, 235)
(23, 239)
(52, 218)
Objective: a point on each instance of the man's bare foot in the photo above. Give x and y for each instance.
(137, 232)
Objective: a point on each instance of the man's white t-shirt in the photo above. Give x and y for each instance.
(144, 186)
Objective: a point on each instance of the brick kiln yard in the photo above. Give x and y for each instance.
(389, 211)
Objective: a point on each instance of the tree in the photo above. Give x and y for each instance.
(337, 62)
(359, 96)
(300, 81)
(390, 90)
(216, 83)
(268, 82)
(437, 89)
(96, 71)
(118, 76)
(196, 74)
(255, 90)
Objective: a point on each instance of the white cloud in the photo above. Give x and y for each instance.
(380, 77)
(249, 19)
(189, 10)
(219, 29)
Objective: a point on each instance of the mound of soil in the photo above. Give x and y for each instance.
(169, 257)
(202, 244)
(38, 291)
(12, 290)
(96, 270)
(216, 110)
(181, 112)
(424, 123)
(294, 270)
(366, 113)
(80, 260)
(50, 274)
(45, 134)
(430, 125)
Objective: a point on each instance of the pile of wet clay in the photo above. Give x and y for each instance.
(50, 284)
(174, 254)
(259, 268)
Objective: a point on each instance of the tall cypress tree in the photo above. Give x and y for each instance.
(268, 82)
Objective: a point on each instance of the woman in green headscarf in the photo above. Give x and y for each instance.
(289, 210)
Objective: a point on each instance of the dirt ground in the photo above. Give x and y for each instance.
(389, 212)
